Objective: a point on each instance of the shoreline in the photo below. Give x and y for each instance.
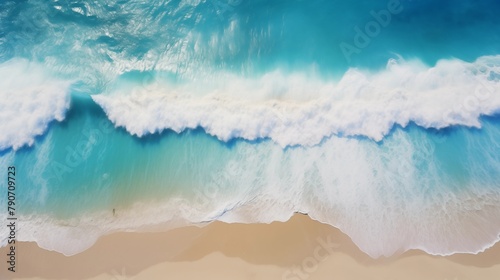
(298, 249)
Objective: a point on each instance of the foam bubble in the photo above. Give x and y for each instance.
(75, 235)
(300, 110)
(405, 193)
(381, 197)
(30, 100)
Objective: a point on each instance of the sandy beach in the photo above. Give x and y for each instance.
(297, 249)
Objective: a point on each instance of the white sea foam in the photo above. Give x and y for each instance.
(387, 198)
(300, 110)
(382, 197)
(30, 100)
(75, 235)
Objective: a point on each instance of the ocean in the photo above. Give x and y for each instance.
(380, 118)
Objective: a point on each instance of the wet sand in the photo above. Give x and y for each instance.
(298, 249)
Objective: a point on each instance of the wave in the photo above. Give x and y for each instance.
(30, 99)
(291, 109)
(415, 190)
(73, 236)
(404, 193)
(299, 109)
(464, 223)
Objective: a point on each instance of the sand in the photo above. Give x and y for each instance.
(298, 249)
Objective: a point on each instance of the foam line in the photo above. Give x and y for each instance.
(294, 109)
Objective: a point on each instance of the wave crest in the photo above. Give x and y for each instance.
(300, 110)
(31, 99)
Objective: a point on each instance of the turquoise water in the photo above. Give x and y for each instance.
(246, 37)
(405, 174)
(84, 163)
(175, 112)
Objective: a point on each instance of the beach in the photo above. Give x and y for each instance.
(300, 248)
(232, 139)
